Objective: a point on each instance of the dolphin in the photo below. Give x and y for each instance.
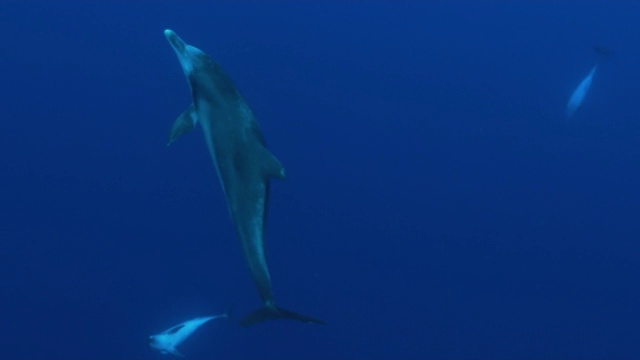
(580, 92)
(578, 95)
(166, 341)
(243, 163)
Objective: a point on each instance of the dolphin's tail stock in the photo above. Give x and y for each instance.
(272, 312)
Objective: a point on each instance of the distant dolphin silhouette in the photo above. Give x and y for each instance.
(576, 99)
(167, 341)
(603, 52)
(578, 95)
(243, 163)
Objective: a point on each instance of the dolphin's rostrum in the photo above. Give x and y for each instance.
(243, 163)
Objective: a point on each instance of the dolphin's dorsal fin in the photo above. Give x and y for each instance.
(271, 166)
(175, 352)
(184, 123)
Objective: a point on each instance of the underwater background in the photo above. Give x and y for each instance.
(438, 202)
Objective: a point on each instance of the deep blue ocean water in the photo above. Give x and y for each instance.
(438, 205)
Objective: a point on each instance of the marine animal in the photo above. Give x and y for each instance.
(167, 341)
(578, 95)
(576, 99)
(242, 161)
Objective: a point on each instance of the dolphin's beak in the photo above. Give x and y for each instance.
(150, 342)
(175, 41)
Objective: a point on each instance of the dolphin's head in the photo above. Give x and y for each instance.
(165, 343)
(191, 58)
(161, 343)
(205, 77)
(152, 342)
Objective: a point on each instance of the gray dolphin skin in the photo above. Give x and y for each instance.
(243, 163)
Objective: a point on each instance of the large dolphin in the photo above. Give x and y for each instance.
(243, 163)
(580, 92)
(167, 341)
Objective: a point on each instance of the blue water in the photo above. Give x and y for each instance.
(438, 203)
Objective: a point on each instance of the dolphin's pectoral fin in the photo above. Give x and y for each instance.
(184, 123)
(175, 352)
(271, 166)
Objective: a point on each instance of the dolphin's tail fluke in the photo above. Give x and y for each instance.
(273, 313)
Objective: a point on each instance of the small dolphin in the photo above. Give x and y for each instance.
(576, 99)
(167, 341)
(243, 163)
(578, 95)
